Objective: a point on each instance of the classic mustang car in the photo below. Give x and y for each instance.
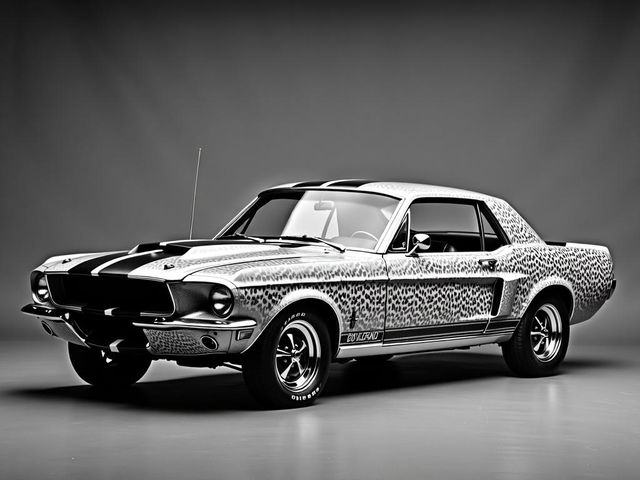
(314, 272)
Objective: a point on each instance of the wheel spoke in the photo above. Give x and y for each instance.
(539, 343)
(302, 348)
(297, 364)
(290, 337)
(282, 353)
(538, 322)
(537, 334)
(285, 373)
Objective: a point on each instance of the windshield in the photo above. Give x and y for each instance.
(350, 219)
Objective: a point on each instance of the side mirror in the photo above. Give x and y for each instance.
(421, 243)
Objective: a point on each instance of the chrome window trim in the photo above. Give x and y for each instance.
(237, 216)
(499, 251)
(485, 210)
(407, 215)
(392, 228)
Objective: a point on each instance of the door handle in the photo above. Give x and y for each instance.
(488, 263)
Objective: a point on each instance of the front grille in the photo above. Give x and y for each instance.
(102, 293)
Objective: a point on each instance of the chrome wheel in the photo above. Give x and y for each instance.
(289, 365)
(546, 332)
(298, 354)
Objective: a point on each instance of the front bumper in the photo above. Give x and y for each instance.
(160, 337)
(56, 323)
(192, 337)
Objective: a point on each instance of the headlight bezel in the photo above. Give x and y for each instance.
(40, 289)
(221, 301)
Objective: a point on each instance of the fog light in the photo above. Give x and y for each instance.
(48, 329)
(244, 334)
(209, 342)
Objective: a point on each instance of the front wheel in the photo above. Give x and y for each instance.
(106, 369)
(289, 365)
(540, 342)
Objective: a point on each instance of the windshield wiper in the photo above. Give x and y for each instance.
(244, 237)
(307, 238)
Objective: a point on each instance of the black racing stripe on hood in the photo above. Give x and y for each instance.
(127, 265)
(84, 268)
(180, 247)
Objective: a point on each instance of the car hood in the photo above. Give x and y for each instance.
(177, 260)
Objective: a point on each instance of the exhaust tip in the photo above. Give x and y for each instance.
(209, 342)
(48, 329)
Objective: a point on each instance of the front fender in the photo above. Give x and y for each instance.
(292, 298)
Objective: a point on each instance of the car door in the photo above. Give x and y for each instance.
(455, 287)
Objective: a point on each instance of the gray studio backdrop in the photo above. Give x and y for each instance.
(102, 109)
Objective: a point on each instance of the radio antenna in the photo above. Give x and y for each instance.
(195, 191)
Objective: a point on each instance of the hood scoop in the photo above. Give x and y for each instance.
(178, 248)
(169, 248)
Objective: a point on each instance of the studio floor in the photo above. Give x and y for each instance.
(439, 415)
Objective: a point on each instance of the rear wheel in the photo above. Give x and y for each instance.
(540, 342)
(288, 367)
(106, 369)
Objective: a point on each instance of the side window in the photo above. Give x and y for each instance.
(492, 239)
(453, 227)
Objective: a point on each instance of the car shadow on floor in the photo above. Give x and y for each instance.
(226, 391)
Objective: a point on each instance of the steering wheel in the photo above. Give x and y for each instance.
(366, 234)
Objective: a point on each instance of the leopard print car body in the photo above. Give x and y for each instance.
(352, 284)
(374, 297)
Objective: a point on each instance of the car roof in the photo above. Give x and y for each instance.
(403, 190)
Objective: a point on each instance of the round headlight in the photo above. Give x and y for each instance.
(221, 300)
(41, 289)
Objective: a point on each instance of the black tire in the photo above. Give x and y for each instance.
(106, 369)
(374, 359)
(289, 364)
(540, 342)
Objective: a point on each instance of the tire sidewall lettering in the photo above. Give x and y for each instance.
(295, 316)
(308, 396)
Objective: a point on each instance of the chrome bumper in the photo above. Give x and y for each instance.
(176, 337)
(185, 336)
(55, 322)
